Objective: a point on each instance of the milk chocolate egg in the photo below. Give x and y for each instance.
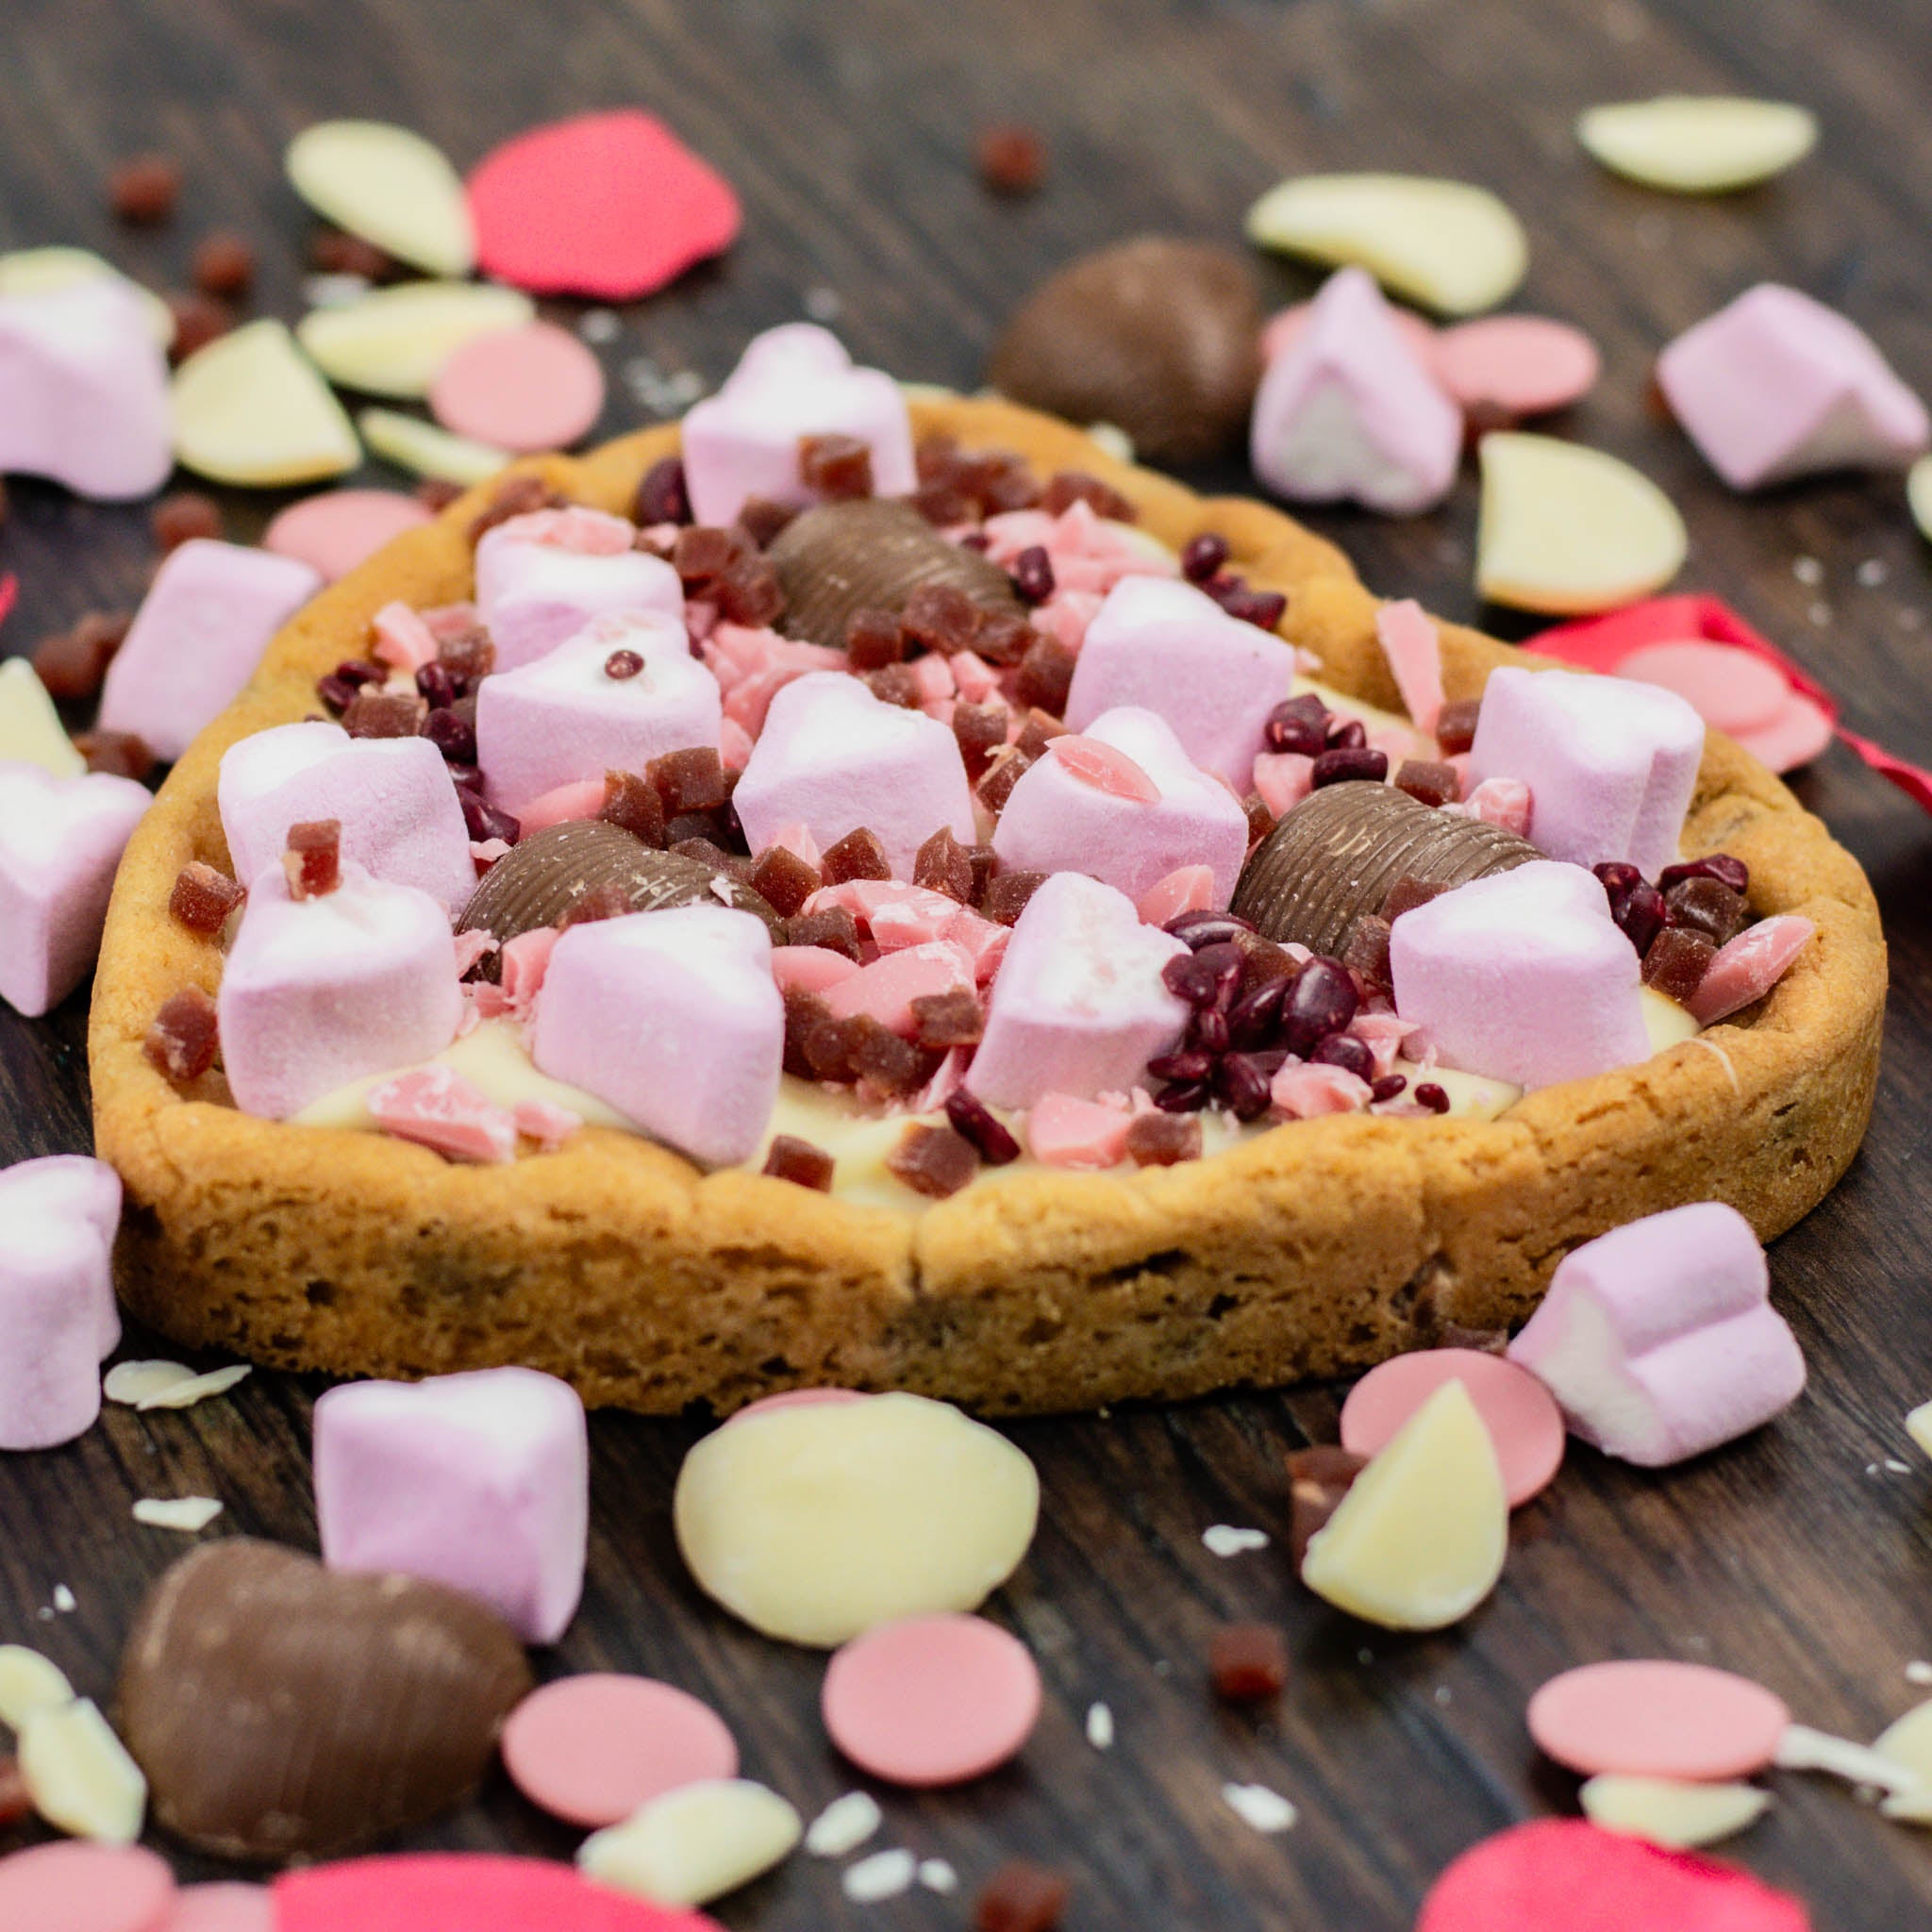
(1159, 336)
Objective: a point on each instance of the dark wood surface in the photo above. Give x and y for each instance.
(846, 124)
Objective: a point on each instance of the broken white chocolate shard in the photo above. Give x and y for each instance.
(394, 342)
(427, 451)
(695, 1844)
(1671, 1812)
(1919, 1426)
(1698, 143)
(1802, 1748)
(251, 409)
(1908, 1744)
(1419, 1540)
(389, 186)
(843, 1825)
(78, 1774)
(883, 1875)
(1446, 243)
(41, 271)
(32, 732)
(184, 1393)
(29, 1682)
(1260, 1807)
(1568, 530)
(136, 1383)
(189, 1514)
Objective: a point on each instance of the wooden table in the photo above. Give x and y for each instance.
(1798, 1557)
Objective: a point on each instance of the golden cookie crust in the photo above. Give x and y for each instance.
(1319, 1246)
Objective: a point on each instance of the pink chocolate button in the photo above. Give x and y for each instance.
(931, 1700)
(1732, 691)
(1523, 1419)
(76, 1886)
(533, 387)
(340, 528)
(592, 1749)
(1648, 1718)
(221, 1908)
(793, 1398)
(1798, 734)
(1520, 365)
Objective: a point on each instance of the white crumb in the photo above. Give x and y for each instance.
(190, 1513)
(884, 1874)
(1100, 1726)
(1258, 1805)
(843, 1825)
(1227, 1539)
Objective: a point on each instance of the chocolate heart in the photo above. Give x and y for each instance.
(1333, 858)
(538, 881)
(1159, 337)
(282, 1709)
(871, 555)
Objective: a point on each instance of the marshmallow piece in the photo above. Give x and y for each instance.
(413, 445)
(393, 342)
(1775, 385)
(563, 718)
(1348, 413)
(792, 381)
(833, 758)
(695, 1844)
(399, 813)
(46, 271)
(1698, 143)
(1419, 1537)
(1164, 645)
(57, 1297)
(32, 732)
(251, 409)
(540, 578)
(61, 840)
(1522, 977)
(480, 1481)
(389, 186)
(84, 391)
(321, 992)
(1079, 1006)
(1671, 1812)
(1610, 763)
(1659, 1338)
(675, 1019)
(197, 637)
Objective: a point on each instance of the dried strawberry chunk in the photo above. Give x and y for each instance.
(895, 684)
(1318, 1478)
(835, 928)
(750, 593)
(890, 1063)
(203, 897)
(182, 1039)
(1040, 730)
(120, 754)
(661, 496)
(1406, 893)
(1247, 1662)
(990, 1137)
(1676, 960)
(996, 787)
(981, 730)
(606, 901)
(1428, 781)
(184, 515)
(934, 1161)
(943, 865)
(705, 554)
(385, 713)
(690, 780)
(761, 519)
(947, 1019)
(873, 640)
(784, 880)
(942, 617)
(72, 664)
(631, 800)
(1011, 158)
(467, 656)
(800, 1162)
(1020, 1896)
(1456, 725)
(859, 855)
(1161, 1139)
(1066, 487)
(1046, 675)
(313, 860)
(838, 467)
(1007, 894)
(515, 497)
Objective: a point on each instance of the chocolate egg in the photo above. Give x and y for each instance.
(1159, 336)
(538, 881)
(844, 557)
(1335, 855)
(281, 1709)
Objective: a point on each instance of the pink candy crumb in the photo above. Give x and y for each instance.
(1063, 1131)
(1106, 768)
(438, 1108)
(1748, 967)
(402, 639)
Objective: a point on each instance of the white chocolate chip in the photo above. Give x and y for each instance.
(427, 451)
(1698, 143)
(389, 186)
(1801, 1748)
(1919, 1426)
(1908, 1744)
(695, 1844)
(843, 1825)
(1226, 1540)
(79, 1775)
(251, 409)
(134, 1383)
(393, 342)
(1666, 1813)
(1919, 495)
(32, 732)
(1919, 1672)
(1100, 1726)
(64, 1599)
(198, 1387)
(1260, 1807)
(191, 1514)
(29, 1682)
(937, 1875)
(883, 1875)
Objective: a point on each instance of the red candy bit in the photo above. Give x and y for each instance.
(857, 856)
(1032, 573)
(690, 780)
(1020, 1896)
(1006, 895)
(623, 664)
(1433, 1096)
(1011, 158)
(182, 1039)
(199, 319)
(183, 516)
(1720, 866)
(838, 467)
(72, 664)
(203, 898)
(1430, 783)
(1066, 487)
(1247, 1662)
(661, 496)
(784, 880)
(372, 713)
(799, 1162)
(977, 1123)
(223, 264)
(1456, 725)
(945, 865)
(1106, 768)
(1046, 676)
(934, 1161)
(143, 191)
(1203, 557)
(313, 860)
(120, 754)
(1238, 599)
(1347, 763)
(1318, 1478)
(942, 1019)
(1163, 1140)
(1299, 724)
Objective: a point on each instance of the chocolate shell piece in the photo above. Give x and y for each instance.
(841, 559)
(280, 1709)
(1333, 858)
(538, 881)
(1159, 336)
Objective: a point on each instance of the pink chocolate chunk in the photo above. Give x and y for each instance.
(885, 990)
(1414, 647)
(1063, 1131)
(436, 1107)
(1745, 969)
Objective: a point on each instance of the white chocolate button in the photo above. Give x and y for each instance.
(1567, 529)
(1418, 1541)
(1909, 1744)
(32, 732)
(251, 409)
(393, 342)
(1669, 1813)
(389, 186)
(695, 1844)
(79, 1775)
(1454, 247)
(42, 271)
(815, 1524)
(29, 1682)
(1919, 495)
(427, 450)
(1698, 143)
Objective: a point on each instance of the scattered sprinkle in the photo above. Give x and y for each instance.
(1365, 1656)
(1820, 614)
(1113, 440)
(843, 1825)
(334, 291)
(823, 305)
(1896, 1467)
(1226, 1540)
(1100, 1726)
(1917, 1672)
(600, 326)
(1872, 573)
(1259, 1806)
(884, 1874)
(64, 1600)
(1442, 1695)
(191, 1514)
(663, 394)
(1807, 569)
(937, 1875)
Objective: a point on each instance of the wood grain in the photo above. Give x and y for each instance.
(847, 128)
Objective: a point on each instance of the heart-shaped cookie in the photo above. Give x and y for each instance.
(281, 1709)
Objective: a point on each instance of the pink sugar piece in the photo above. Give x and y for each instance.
(1065, 1131)
(337, 531)
(809, 969)
(1504, 802)
(895, 914)
(934, 677)
(1284, 778)
(448, 621)
(545, 1123)
(526, 961)
(885, 990)
(1516, 365)
(1105, 768)
(610, 205)
(1644, 1717)
(532, 388)
(734, 744)
(472, 948)
(972, 676)
(1307, 1089)
(1561, 1874)
(1187, 888)
(1385, 1036)
(438, 1108)
(78, 1887)
(1746, 968)
(402, 639)
(1414, 647)
(581, 798)
(485, 852)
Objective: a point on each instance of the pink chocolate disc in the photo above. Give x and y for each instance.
(1798, 734)
(793, 1398)
(78, 1887)
(527, 389)
(931, 1700)
(1520, 365)
(221, 1908)
(1646, 1718)
(1520, 1415)
(340, 528)
(1732, 691)
(592, 1749)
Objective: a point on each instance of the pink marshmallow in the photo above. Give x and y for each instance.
(1187, 888)
(318, 993)
(1610, 763)
(1745, 969)
(1307, 1089)
(1062, 1131)
(84, 391)
(1167, 647)
(57, 1319)
(1057, 820)
(1349, 413)
(436, 1107)
(479, 1481)
(833, 758)
(1775, 385)
(197, 637)
(61, 840)
(1414, 647)
(1079, 1006)
(1522, 976)
(399, 812)
(809, 969)
(564, 718)
(540, 578)
(675, 1019)
(1659, 1338)
(885, 990)
(792, 381)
